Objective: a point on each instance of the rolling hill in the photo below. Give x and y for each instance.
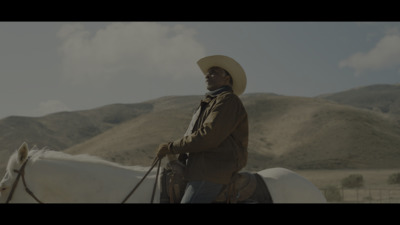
(61, 130)
(383, 98)
(334, 131)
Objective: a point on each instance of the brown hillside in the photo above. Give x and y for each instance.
(135, 142)
(291, 132)
(310, 133)
(383, 98)
(61, 130)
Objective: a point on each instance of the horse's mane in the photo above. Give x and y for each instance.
(37, 154)
(58, 155)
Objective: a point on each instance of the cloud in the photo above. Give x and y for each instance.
(385, 55)
(50, 106)
(137, 48)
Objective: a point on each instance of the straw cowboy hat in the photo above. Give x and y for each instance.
(234, 69)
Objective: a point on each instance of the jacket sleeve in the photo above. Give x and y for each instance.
(224, 117)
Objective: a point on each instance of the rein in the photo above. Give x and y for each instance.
(144, 177)
(21, 174)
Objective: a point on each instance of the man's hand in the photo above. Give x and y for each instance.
(162, 150)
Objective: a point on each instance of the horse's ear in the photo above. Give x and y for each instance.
(23, 152)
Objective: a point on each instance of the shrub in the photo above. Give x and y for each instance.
(332, 194)
(394, 178)
(353, 181)
(113, 119)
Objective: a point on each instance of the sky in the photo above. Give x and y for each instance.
(48, 67)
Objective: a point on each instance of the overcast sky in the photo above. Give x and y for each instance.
(48, 67)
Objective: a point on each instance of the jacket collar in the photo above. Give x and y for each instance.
(212, 94)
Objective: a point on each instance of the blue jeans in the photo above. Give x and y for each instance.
(201, 192)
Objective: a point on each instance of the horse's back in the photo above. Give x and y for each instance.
(286, 186)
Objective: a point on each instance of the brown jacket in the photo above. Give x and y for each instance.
(218, 146)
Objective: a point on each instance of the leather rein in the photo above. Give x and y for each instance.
(21, 174)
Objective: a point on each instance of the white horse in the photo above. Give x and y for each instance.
(55, 177)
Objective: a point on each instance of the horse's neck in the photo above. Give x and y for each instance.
(72, 181)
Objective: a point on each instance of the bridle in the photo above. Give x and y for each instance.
(21, 174)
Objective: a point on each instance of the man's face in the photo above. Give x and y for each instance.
(216, 78)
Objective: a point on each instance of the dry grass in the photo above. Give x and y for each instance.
(373, 178)
(375, 190)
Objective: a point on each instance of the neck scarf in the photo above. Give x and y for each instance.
(218, 91)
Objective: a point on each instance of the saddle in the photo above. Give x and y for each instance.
(172, 182)
(244, 186)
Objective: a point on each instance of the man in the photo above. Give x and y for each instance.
(217, 137)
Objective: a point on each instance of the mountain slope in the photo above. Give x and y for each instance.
(308, 133)
(381, 97)
(61, 130)
(291, 132)
(135, 141)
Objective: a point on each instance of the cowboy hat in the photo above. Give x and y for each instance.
(234, 69)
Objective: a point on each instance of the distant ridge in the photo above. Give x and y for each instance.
(383, 98)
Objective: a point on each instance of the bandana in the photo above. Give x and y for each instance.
(218, 91)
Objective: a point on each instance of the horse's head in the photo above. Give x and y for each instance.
(14, 163)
